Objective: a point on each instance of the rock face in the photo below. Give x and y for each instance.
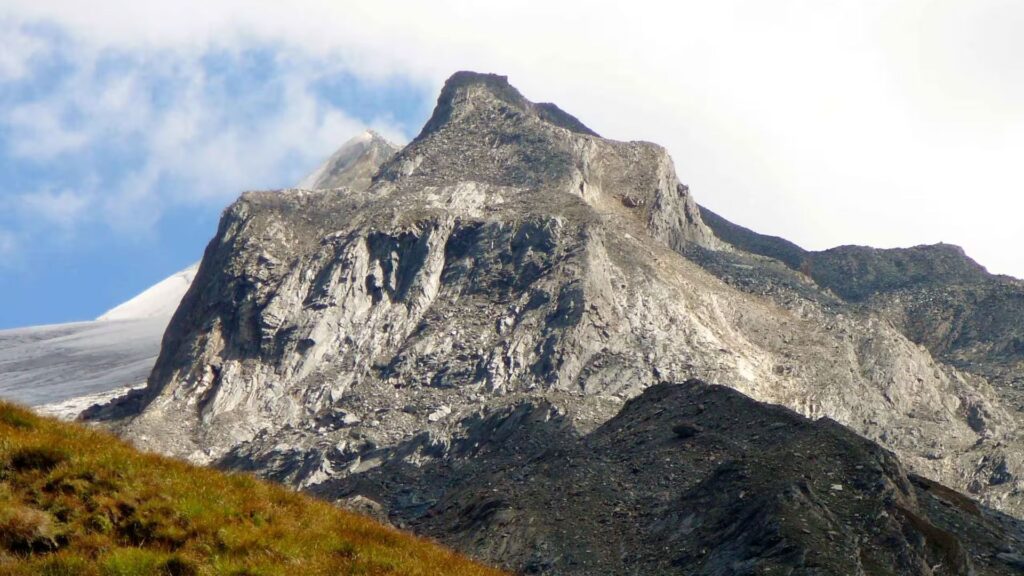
(509, 257)
(686, 479)
(941, 299)
(494, 256)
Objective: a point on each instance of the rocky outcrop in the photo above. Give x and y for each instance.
(509, 255)
(686, 479)
(935, 295)
(941, 299)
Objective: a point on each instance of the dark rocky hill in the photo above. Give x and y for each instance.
(687, 479)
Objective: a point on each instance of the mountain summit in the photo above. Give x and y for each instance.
(510, 272)
(460, 91)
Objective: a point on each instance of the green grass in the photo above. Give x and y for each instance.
(76, 501)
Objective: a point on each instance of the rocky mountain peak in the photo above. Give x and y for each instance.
(487, 138)
(858, 272)
(465, 91)
(354, 164)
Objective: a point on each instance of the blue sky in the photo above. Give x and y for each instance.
(114, 172)
(127, 125)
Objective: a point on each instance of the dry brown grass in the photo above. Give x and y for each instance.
(75, 501)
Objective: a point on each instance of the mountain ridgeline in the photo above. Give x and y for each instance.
(935, 295)
(476, 339)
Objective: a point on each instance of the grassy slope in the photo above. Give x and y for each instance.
(79, 501)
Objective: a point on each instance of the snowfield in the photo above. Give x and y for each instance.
(47, 364)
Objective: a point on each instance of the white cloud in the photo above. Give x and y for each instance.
(20, 49)
(41, 133)
(63, 208)
(884, 123)
(190, 149)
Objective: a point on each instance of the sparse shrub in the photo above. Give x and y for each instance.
(68, 485)
(152, 527)
(15, 418)
(66, 565)
(132, 562)
(101, 523)
(180, 566)
(346, 550)
(24, 529)
(88, 544)
(42, 458)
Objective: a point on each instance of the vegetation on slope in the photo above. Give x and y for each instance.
(78, 501)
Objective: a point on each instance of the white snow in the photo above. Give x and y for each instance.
(46, 364)
(69, 367)
(157, 301)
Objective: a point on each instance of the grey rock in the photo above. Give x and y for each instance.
(1012, 558)
(936, 296)
(438, 414)
(64, 369)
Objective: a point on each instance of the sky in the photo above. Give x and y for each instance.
(127, 126)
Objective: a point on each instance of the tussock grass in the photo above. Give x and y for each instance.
(76, 501)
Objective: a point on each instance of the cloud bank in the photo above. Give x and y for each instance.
(115, 134)
(864, 122)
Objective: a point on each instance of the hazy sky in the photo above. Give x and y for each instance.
(125, 127)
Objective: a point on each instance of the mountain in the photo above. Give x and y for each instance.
(79, 502)
(69, 367)
(509, 293)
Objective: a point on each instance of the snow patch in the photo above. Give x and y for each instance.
(157, 301)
